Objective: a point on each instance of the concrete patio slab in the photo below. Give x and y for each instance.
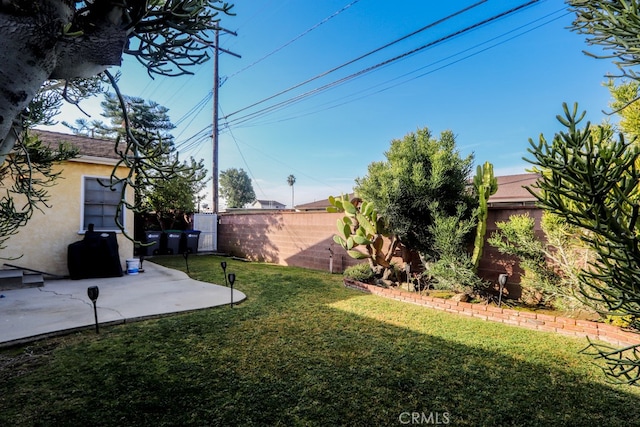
(62, 306)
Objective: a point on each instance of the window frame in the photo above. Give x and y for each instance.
(84, 227)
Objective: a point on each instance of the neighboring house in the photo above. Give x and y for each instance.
(318, 205)
(267, 204)
(76, 200)
(512, 198)
(512, 191)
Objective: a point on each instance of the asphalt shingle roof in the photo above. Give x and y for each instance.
(88, 146)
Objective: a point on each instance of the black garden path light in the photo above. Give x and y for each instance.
(232, 279)
(502, 280)
(223, 264)
(93, 292)
(185, 254)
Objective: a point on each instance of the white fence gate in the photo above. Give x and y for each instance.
(208, 226)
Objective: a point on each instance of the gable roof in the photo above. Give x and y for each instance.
(267, 203)
(318, 205)
(511, 189)
(91, 147)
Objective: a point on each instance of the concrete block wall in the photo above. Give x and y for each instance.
(493, 262)
(303, 239)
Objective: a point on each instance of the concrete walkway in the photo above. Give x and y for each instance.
(62, 306)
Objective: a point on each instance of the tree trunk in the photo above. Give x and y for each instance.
(34, 49)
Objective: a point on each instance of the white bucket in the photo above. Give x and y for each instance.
(133, 265)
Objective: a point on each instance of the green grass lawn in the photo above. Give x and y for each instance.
(304, 350)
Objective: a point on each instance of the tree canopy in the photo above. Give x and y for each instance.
(174, 200)
(591, 180)
(236, 188)
(613, 25)
(422, 177)
(624, 97)
(55, 50)
(46, 40)
(169, 197)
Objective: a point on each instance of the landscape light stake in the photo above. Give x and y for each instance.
(232, 278)
(502, 280)
(93, 292)
(185, 254)
(223, 264)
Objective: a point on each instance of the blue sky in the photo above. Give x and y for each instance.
(494, 85)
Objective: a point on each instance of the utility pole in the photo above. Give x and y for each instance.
(216, 86)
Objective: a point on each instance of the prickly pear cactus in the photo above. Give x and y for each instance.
(360, 231)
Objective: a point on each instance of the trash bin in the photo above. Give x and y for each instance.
(173, 241)
(190, 241)
(152, 238)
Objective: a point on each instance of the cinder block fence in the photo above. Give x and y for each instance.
(305, 239)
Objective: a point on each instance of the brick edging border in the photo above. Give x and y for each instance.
(541, 322)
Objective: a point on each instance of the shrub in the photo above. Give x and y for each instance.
(360, 272)
(454, 269)
(516, 237)
(552, 270)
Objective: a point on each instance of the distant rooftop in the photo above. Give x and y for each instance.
(511, 191)
(319, 205)
(268, 204)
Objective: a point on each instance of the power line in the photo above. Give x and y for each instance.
(298, 98)
(245, 162)
(195, 139)
(198, 106)
(196, 143)
(431, 25)
(432, 64)
(295, 38)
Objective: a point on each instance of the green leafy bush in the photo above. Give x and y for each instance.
(516, 237)
(360, 272)
(454, 269)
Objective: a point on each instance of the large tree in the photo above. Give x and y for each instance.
(422, 178)
(170, 200)
(613, 25)
(147, 120)
(173, 201)
(590, 179)
(44, 40)
(236, 188)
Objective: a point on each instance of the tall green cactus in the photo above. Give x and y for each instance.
(486, 185)
(361, 227)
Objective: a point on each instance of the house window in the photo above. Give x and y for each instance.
(100, 204)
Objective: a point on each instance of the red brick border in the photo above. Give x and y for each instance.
(525, 319)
